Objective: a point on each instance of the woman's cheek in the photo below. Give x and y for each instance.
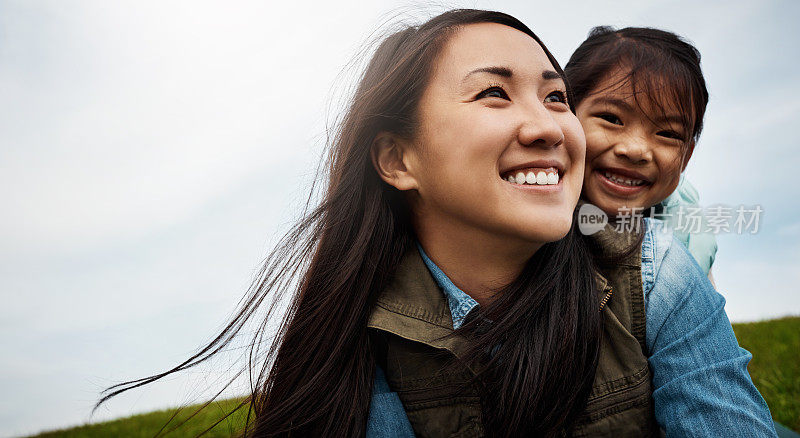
(578, 138)
(575, 139)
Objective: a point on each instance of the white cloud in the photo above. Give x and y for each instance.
(759, 289)
(118, 120)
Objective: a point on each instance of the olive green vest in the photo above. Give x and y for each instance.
(412, 312)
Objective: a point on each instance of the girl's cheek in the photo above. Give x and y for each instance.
(671, 178)
(669, 168)
(594, 146)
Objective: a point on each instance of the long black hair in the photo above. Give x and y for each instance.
(315, 379)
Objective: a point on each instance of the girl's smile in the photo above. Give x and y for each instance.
(621, 182)
(635, 146)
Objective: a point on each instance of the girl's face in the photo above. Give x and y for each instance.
(496, 108)
(634, 150)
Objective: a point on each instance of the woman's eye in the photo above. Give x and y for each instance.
(557, 96)
(610, 118)
(493, 92)
(670, 134)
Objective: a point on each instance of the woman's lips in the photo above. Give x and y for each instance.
(616, 188)
(546, 188)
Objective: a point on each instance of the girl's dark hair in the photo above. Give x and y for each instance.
(315, 379)
(656, 62)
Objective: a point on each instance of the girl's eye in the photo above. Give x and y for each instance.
(495, 91)
(610, 118)
(557, 96)
(670, 134)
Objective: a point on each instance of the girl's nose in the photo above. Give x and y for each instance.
(635, 149)
(541, 129)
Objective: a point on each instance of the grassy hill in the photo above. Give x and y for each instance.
(148, 424)
(775, 370)
(775, 367)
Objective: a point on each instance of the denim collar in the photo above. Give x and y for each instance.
(460, 303)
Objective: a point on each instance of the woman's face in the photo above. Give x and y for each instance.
(496, 108)
(634, 151)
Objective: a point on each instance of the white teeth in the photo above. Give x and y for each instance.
(624, 181)
(530, 178)
(534, 178)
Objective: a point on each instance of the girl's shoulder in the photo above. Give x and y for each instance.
(672, 280)
(658, 239)
(677, 210)
(670, 271)
(684, 194)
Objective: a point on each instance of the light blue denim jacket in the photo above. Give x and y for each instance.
(701, 387)
(702, 245)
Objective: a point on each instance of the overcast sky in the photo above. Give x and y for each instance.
(151, 151)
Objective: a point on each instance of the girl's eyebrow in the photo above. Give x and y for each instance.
(675, 119)
(671, 119)
(614, 102)
(506, 72)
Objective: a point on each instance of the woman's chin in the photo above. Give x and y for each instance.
(548, 230)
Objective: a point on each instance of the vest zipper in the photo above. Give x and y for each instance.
(605, 298)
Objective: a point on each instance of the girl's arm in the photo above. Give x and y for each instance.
(711, 278)
(700, 379)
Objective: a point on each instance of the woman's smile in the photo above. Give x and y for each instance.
(542, 176)
(496, 108)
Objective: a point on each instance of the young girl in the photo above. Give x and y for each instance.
(445, 290)
(640, 96)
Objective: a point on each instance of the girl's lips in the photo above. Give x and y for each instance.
(617, 189)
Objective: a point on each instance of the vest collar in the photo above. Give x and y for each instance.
(413, 307)
(611, 242)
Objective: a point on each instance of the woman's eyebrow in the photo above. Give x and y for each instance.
(495, 70)
(550, 75)
(508, 73)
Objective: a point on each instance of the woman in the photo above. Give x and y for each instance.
(445, 113)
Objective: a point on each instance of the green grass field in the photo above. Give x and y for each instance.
(147, 425)
(775, 369)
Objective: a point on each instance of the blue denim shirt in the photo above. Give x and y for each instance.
(701, 387)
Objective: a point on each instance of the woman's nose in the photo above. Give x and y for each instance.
(541, 129)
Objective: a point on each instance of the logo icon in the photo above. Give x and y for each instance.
(591, 219)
